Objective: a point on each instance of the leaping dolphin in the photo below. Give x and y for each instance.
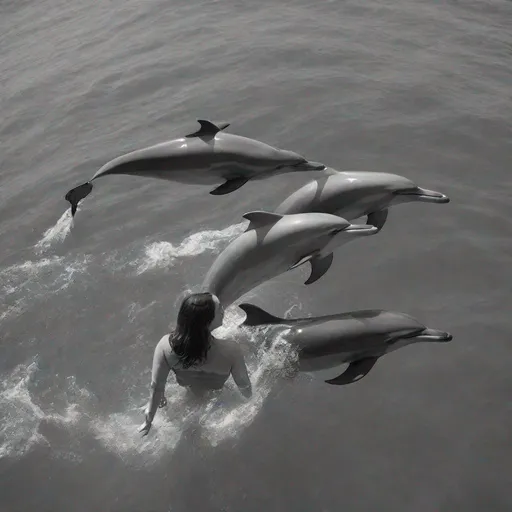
(358, 338)
(207, 156)
(274, 244)
(355, 194)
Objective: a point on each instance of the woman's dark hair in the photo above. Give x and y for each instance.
(190, 339)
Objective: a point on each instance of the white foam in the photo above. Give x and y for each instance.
(225, 419)
(118, 432)
(57, 233)
(163, 254)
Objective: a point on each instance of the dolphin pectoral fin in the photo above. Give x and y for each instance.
(207, 129)
(355, 371)
(303, 260)
(260, 218)
(319, 266)
(229, 186)
(378, 219)
(258, 316)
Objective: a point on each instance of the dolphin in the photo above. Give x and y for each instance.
(273, 244)
(207, 156)
(358, 338)
(354, 194)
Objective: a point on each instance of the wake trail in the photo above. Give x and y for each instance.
(163, 254)
(156, 255)
(57, 233)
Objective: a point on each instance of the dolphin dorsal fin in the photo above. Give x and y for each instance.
(258, 316)
(207, 129)
(260, 218)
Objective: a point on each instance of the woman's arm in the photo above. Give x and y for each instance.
(159, 373)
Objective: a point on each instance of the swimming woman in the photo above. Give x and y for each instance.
(200, 362)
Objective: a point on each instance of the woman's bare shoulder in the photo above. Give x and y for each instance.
(164, 339)
(163, 344)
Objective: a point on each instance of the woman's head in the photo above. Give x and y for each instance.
(199, 313)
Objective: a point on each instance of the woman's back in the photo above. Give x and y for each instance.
(214, 371)
(224, 358)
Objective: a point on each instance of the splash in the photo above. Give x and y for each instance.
(25, 423)
(163, 254)
(57, 233)
(225, 417)
(219, 419)
(118, 432)
(24, 283)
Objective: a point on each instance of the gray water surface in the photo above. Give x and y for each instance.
(418, 88)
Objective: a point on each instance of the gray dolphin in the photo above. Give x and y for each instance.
(205, 157)
(358, 338)
(355, 194)
(274, 244)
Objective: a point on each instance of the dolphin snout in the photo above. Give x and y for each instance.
(429, 196)
(361, 229)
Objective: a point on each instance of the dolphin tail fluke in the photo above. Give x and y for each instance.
(208, 129)
(434, 335)
(355, 372)
(75, 195)
(257, 316)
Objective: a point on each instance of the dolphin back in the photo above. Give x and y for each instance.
(348, 194)
(334, 194)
